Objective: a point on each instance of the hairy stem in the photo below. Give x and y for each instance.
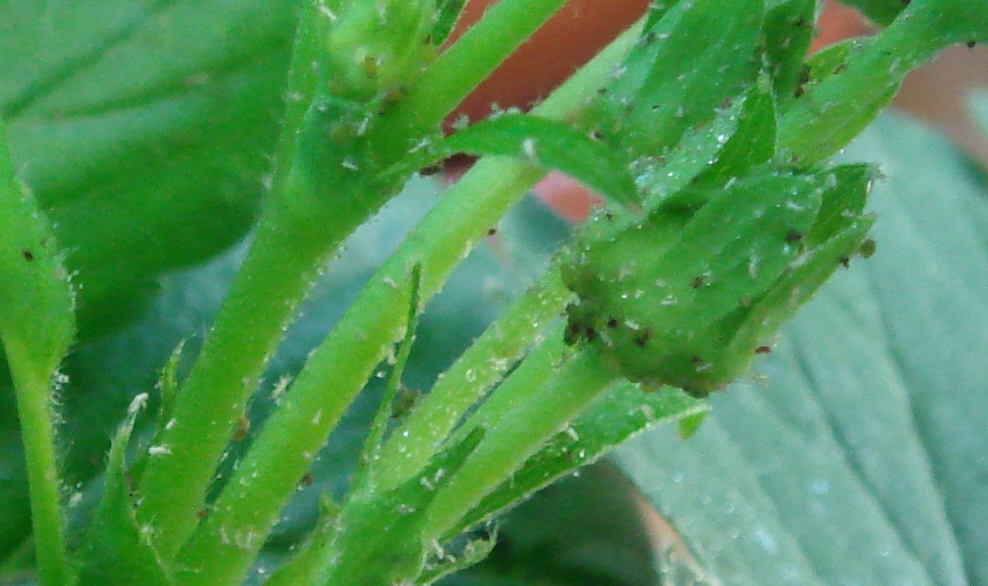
(465, 382)
(250, 503)
(515, 434)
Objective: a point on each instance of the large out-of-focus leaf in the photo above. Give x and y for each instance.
(143, 128)
(860, 457)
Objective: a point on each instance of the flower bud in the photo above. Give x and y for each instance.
(692, 294)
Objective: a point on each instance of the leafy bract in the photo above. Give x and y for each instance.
(857, 457)
(115, 550)
(551, 144)
(36, 301)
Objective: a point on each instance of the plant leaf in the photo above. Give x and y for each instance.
(624, 412)
(448, 13)
(144, 130)
(868, 427)
(37, 324)
(115, 550)
(550, 144)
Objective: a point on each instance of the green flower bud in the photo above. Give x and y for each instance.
(372, 49)
(691, 295)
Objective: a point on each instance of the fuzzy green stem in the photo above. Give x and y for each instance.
(291, 245)
(38, 435)
(466, 381)
(516, 390)
(517, 434)
(36, 329)
(250, 503)
(460, 69)
(275, 276)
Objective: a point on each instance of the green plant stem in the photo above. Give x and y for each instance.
(250, 503)
(291, 245)
(515, 434)
(36, 329)
(460, 69)
(516, 390)
(38, 435)
(274, 277)
(491, 355)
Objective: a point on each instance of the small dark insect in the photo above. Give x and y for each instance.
(430, 170)
(306, 481)
(698, 281)
(696, 360)
(845, 261)
(596, 134)
(243, 426)
(573, 333)
(971, 44)
(492, 231)
(762, 350)
(802, 80)
(591, 334)
(794, 236)
(403, 402)
(868, 248)
(643, 338)
(28, 255)
(612, 322)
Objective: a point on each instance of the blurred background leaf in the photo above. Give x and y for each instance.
(144, 128)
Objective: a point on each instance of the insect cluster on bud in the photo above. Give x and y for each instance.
(693, 293)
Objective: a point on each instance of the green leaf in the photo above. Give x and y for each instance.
(692, 57)
(752, 143)
(37, 324)
(550, 144)
(448, 13)
(144, 129)
(858, 458)
(789, 31)
(623, 412)
(115, 550)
